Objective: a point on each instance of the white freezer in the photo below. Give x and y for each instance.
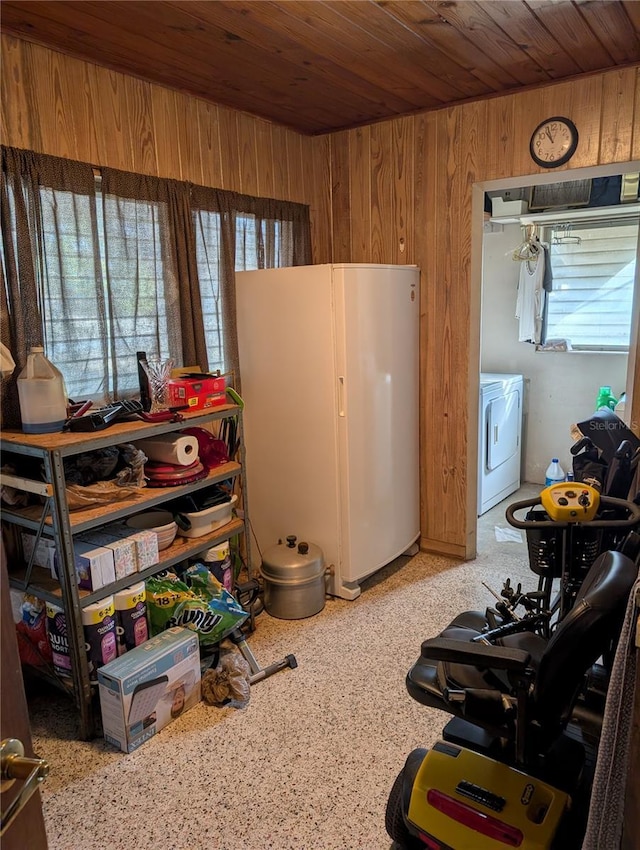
(329, 375)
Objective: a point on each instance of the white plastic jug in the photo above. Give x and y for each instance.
(42, 395)
(554, 474)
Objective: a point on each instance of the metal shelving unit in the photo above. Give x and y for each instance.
(55, 520)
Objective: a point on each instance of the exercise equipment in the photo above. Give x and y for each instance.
(511, 769)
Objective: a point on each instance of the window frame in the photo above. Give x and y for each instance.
(597, 222)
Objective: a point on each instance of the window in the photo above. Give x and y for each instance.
(593, 268)
(99, 267)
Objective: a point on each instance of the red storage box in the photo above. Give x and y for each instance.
(197, 393)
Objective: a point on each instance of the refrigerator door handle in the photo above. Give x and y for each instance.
(341, 410)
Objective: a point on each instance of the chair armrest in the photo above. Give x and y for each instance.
(477, 654)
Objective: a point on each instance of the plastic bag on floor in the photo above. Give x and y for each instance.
(229, 682)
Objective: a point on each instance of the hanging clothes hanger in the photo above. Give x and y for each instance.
(530, 248)
(561, 235)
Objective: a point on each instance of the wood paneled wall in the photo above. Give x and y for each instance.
(402, 193)
(65, 107)
(399, 191)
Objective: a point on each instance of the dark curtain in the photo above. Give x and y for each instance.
(99, 265)
(48, 231)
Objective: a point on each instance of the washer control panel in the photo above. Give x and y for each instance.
(570, 501)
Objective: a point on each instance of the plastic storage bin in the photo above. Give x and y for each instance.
(197, 523)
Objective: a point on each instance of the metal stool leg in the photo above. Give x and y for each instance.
(259, 673)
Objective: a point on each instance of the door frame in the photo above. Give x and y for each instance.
(477, 236)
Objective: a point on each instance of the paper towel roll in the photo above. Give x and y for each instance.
(179, 449)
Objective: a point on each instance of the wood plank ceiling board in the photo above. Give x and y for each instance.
(385, 42)
(318, 66)
(471, 18)
(316, 23)
(533, 38)
(152, 39)
(251, 23)
(614, 28)
(436, 31)
(247, 65)
(569, 27)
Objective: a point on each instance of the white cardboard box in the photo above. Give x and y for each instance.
(146, 688)
(146, 543)
(45, 551)
(500, 207)
(93, 564)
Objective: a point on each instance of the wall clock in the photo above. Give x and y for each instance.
(554, 142)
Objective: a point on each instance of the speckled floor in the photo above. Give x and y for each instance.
(309, 763)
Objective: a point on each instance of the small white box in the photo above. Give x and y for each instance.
(148, 687)
(94, 565)
(500, 207)
(45, 551)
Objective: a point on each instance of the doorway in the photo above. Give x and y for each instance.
(551, 378)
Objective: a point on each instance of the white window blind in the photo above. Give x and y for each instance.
(593, 267)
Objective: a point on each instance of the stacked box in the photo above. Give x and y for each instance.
(45, 551)
(125, 558)
(146, 543)
(94, 565)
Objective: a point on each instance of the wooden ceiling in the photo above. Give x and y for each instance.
(325, 65)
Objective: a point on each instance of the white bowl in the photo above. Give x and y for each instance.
(159, 521)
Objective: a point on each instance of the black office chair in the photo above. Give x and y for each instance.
(521, 693)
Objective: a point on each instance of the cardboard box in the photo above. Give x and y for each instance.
(94, 565)
(146, 543)
(148, 687)
(197, 393)
(45, 551)
(125, 560)
(500, 207)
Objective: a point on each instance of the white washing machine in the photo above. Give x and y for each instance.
(499, 438)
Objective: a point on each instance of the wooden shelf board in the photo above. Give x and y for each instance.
(44, 586)
(120, 432)
(146, 497)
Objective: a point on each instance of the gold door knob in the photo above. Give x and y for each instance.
(14, 766)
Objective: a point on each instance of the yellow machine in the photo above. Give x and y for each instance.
(569, 501)
(467, 801)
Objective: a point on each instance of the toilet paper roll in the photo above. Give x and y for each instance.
(99, 634)
(131, 617)
(179, 449)
(58, 640)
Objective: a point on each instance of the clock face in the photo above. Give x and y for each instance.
(554, 142)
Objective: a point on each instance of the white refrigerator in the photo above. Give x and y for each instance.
(329, 375)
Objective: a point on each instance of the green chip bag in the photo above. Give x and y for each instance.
(199, 603)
